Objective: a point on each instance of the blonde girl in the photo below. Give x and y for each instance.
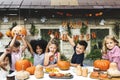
(52, 56)
(111, 50)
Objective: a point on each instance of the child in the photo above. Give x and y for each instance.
(111, 50)
(16, 50)
(37, 49)
(4, 63)
(52, 56)
(79, 48)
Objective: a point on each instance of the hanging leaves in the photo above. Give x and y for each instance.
(33, 29)
(84, 28)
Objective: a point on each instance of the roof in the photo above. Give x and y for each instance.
(60, 4)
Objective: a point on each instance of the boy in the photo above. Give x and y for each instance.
(79, 48)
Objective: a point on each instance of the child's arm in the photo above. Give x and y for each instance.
(13, 41)
(51, 38)
(46, 59)
(71, 41)
(24, 43)
(30, 47)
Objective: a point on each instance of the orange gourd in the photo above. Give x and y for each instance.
(63, 65)
(8, 33)
(31, 70)
(22, 64)
(101, 64)
(20, 30)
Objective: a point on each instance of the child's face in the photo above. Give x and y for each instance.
(52, 48)
(15, 49)
(80, 49)
(110, 44)
(5, 62)
(38, 50)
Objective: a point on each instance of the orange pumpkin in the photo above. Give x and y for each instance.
(31, 70)
(63, 65)
(101, 64)
(8, 33)
(22, 64)
(20, 30)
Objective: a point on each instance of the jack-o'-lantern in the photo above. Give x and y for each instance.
(63, 65)
(22, 64)
(20, 30)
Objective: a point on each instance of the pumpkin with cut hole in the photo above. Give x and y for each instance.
(20, 30)
(8, 33)
(63, 65)
(31, 70)
(101, 64)
(22, 64)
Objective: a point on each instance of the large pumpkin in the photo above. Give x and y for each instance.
(63, 65)
(101, 64)
(31, 70)
(20, 30)
(22, 64)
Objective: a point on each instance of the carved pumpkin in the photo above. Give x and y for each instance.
(22, 64)
(21, 30)
(31, 70)
(8, 33)
(101, 64)
(63, 65)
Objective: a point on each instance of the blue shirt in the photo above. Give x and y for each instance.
(38, 59)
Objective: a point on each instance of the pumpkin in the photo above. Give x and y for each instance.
(20, 30)
(39, 73)
(63, 65)
(113, 70)
(8, 33)
(31, 70)
(22, 75)
(22, 64)
(101, 64)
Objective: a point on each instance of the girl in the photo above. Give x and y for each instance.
(52, 56)
(5, 60)
(37, 49)
(111, 50)
(16, 50)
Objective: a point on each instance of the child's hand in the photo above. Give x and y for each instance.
(22, 36)
(52, 36)
(2, 65)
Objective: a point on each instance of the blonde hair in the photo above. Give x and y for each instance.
(53, 41)
(104, 48)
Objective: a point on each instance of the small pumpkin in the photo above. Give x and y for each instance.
(101, 64)
(22, 75)
(20, 30)
(8, 33)
(22, 64)
(39, 73)
(63, 65)
(113, 70)
(31, 70)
